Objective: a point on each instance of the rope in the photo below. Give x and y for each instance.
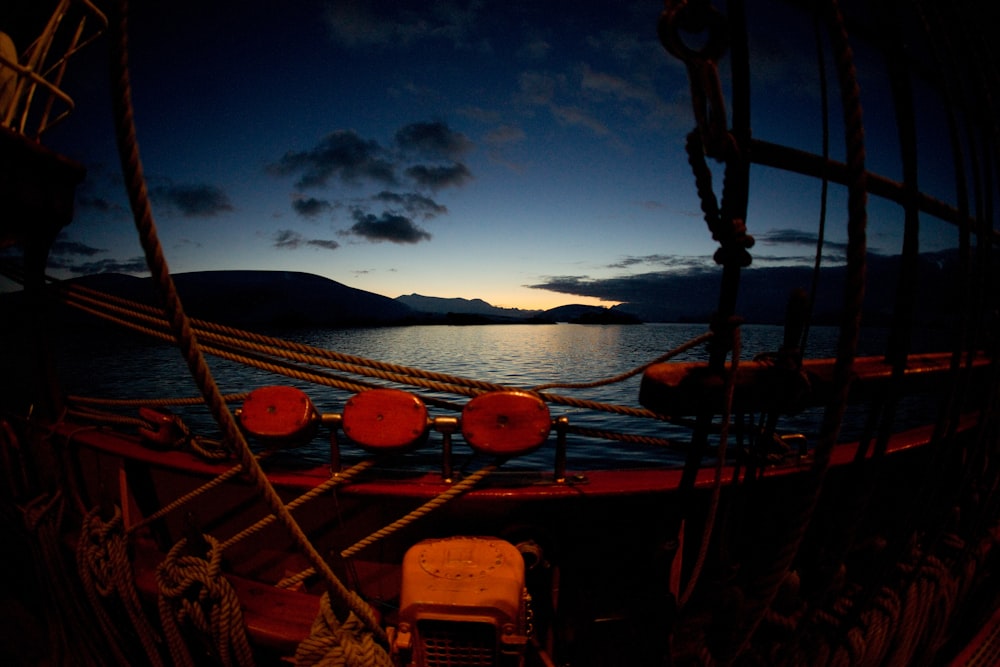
(181, 325)
(425, 509)
(453, 492)
(331, 643)
(359, 365)
(187, 498)
(713, 506)
(106, 573)
(680, 349)
(157, 402)
(193, 591)
(73, 635)
(341, 478)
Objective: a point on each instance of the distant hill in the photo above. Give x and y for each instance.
(583, 314)
(286, 298)
(763, 292)
(441, 306)
(263, 298)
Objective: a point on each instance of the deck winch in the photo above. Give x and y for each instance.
(463, 603)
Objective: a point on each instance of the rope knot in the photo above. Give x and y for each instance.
(336, 643)
(194, 592)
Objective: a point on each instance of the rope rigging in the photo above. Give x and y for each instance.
(181, 326)
(805, 589)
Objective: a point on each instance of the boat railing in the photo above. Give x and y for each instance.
(32, 100)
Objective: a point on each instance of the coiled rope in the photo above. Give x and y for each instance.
(193, 591)
(106, 573)
(181, 326)
(326, 643)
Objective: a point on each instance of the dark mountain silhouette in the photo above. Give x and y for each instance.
(764, 292)
(439, 305)
(285, 298)
(583, 314)
(263, 298)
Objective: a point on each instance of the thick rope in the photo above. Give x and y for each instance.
(713, 506)
(188, 497)
(453, 492)
(181, 326)
(193, 591)
(334, 644)
(226, 348)
(341, 478)
(106, 573)
(73, 635)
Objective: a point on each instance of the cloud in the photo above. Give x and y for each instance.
(676, 264)
(433, 139)
(288, 239)
(132, 266)
(311, 207)
(540, 89)
(362, 23)
(62, 247)
(797, 237)
(98, 204)
(193, 200)
(413, 203)
(615, 87)
(535, 47)
(505, 135)
(436, 177)
(620, 289)
(342, 154)
(387, 227)
(328, 244)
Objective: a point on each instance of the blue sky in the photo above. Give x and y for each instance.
(526, 153)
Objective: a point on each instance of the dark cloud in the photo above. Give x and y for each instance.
(288, 239)
(342, 154)
(432, 139)
(413, 203)
(440, 176)
(136, 265)
(675, 263)
(193, 200)
(311, 207)
(63, 247)
(387, 227)
(98, 204)
(504, 135)
(633, 288)
(362, 23)
(796, 237)
(328, 244)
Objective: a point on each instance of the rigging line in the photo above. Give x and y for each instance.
(157, 402)
(694, 342)
(202, 326)
(720, 464)
(142, 213)
(824, 95)
(228, 349)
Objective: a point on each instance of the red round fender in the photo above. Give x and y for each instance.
(506, 423)
(284, 415)
(385, 419)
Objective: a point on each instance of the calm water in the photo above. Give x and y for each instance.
(516, 355)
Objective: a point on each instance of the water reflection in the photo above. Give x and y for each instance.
(93, 363)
